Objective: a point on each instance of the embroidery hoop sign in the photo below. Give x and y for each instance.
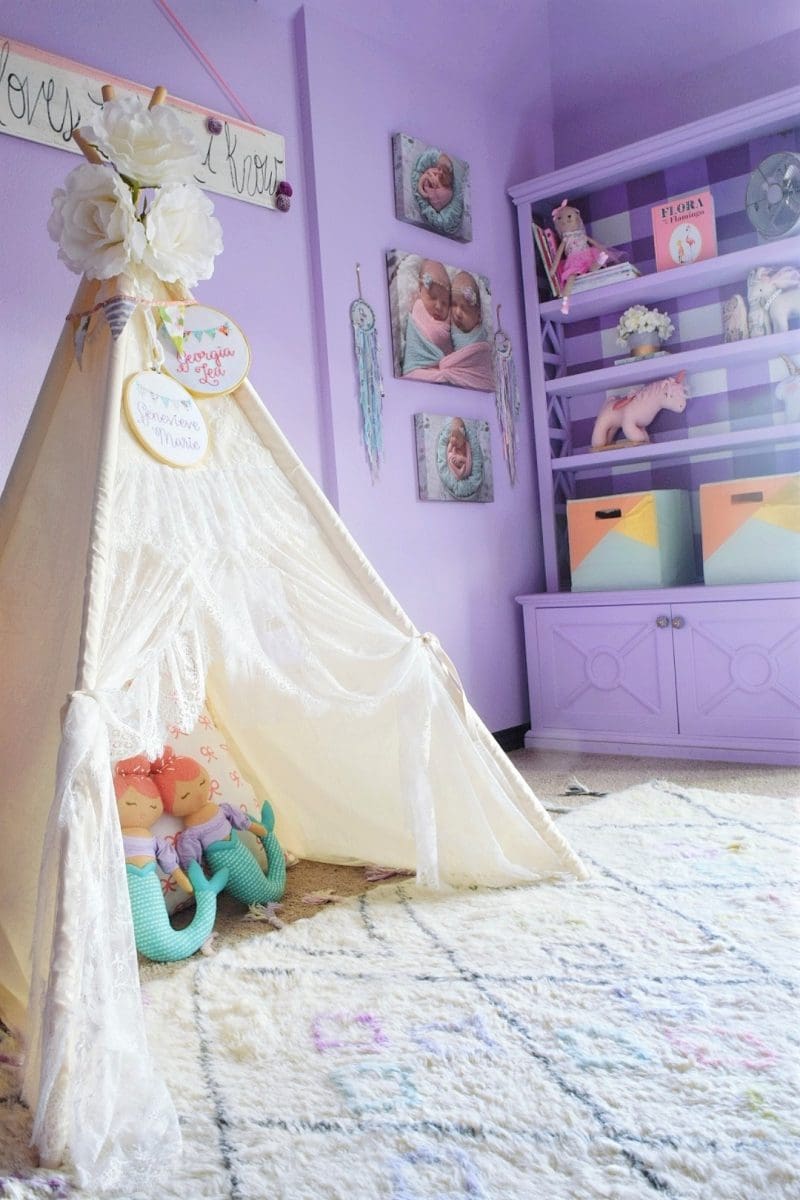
(214, 358)
(165, 419)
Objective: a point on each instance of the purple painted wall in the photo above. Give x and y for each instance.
(623, 70)
(337, 97)
(455, 567)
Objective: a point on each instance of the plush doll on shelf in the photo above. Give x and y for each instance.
(210, 830)
(577, 253)
(139, 806)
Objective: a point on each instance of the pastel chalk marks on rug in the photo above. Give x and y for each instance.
(375, 1088)
(454, 1039)
(722, 1049)
(426, 1174)
(585, 1045)
(348, 1031)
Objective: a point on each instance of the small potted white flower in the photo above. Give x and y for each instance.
(642, 330)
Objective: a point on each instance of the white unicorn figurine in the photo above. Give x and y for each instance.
(773, 298)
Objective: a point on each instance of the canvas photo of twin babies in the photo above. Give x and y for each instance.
(441, 322)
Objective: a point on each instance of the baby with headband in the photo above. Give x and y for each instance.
(428, 326)
(466, 316)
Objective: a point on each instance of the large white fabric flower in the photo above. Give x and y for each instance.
(95, 223)
(183, 236)
(151, 146)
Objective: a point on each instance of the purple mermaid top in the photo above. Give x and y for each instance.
(154, 847)
(195, 838)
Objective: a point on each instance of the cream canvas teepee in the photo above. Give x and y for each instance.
(130, 593)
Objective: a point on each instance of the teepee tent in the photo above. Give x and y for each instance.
(131, 594)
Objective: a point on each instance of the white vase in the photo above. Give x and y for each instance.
(644, 343)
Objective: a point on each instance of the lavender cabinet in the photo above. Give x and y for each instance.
(674, 673)
(707, 672)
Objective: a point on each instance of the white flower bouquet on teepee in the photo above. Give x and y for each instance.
(133, 209)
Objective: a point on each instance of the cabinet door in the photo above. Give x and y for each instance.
(605, 668)
(737, 666)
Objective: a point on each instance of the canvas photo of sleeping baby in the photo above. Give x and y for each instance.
(454, 459)
(431, 188)
(441, 322)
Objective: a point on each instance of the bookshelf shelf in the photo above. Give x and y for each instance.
(682, 281)
(677, 448)
(587, 692)
(727, 354)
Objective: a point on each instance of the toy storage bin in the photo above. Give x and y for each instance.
(637, 540)
(750, 529)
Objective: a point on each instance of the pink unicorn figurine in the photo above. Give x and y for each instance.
(634, 412)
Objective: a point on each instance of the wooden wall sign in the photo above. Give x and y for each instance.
(43, 97)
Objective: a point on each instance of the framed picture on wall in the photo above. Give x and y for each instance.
(431, 188)
(454, 459)
(442, 326)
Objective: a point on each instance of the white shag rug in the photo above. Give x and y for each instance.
(632, 1036)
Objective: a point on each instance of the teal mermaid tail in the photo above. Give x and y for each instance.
(246, 880)
(155, 937)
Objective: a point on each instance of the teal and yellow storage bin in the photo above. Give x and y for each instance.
(750, 529)
(636, 540)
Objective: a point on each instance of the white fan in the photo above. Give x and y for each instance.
(773, 195)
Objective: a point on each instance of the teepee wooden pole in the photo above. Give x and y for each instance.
(88, 150)
(107, 92)
(158, 96)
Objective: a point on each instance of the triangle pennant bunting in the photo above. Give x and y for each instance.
(174, 324)
(118, 311)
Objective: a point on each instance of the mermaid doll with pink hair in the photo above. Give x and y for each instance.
(211, 831)
(139, 806)
(579, 252)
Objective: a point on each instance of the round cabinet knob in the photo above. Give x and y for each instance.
(662, 622)
(678, 622)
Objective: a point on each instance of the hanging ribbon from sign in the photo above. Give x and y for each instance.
(370, 381)
(506, 396)
(203, 58)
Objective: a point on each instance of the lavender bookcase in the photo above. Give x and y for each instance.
(701, 672)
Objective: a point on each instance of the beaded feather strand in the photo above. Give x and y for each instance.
(370, 381)
(506, 396)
